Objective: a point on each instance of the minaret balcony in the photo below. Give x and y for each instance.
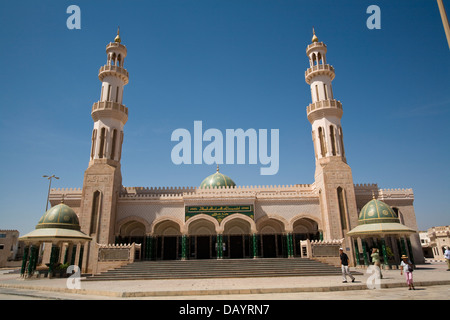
(324, 108)
(320, 69)
(316, 46)
(109, 109)
(113, 71)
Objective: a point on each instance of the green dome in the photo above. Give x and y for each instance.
(60, 216)
(217, 180)
(376, 211)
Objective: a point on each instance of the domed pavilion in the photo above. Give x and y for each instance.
(379, 227)
(60, 228)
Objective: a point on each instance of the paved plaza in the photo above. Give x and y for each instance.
(432, 282)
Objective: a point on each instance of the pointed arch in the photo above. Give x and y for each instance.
(238, 219)
(192, 225)
(95, 211)
(342, 203)
(167, 225)
(131, 219)
(275, 223)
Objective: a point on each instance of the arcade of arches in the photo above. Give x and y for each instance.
(203, 237)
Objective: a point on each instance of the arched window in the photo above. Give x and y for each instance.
(319, 57)
(113, 146)
(333, 141)
(108, 95)
(117, 94)
(398, 214)
(317, 93)
(342, 207)
(314, 143)
(341, 139)
(95, 212)
(323, 148)
(94, 138)
(101, 150)
(325, 90)
(119, 61)
(120, 145)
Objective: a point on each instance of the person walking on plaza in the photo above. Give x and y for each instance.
(376, 261)
(344, 266)
(407, 266)
(447, 257)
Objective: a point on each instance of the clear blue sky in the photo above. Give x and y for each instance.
(231, 64)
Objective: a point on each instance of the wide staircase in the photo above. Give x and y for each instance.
(229, 268)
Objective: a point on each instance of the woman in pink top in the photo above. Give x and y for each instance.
(407, 266)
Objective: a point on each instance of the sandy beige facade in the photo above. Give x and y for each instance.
(224, 222)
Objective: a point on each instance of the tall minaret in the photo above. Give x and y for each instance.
(103, 178)
(109, 114)
(333, 176)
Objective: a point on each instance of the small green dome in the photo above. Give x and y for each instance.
(217, 180)
(60, 216)
(376, 211)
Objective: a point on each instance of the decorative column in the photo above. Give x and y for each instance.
(383, 248)
(254, 246)
(366, 259)
(24, 260)
(80, 258)
(290, 246)
(32, 260)
(184, 247)
(76, 259)
(53, 258)
(69, 254)
(355, 242)
(219, 246)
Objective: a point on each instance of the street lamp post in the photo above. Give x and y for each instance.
(444, 20)
(49, 186)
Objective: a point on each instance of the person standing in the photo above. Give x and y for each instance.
(407, 266)
(447, 257)
(344, 266)
(376, 261)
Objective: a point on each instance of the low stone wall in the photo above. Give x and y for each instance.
(111, 256)
(323, 251)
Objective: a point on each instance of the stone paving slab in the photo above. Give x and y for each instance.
(425, 275)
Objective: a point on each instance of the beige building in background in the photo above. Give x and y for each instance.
(9, 246)
(220, 219)
(439, 239)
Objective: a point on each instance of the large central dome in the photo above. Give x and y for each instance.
(217, 180)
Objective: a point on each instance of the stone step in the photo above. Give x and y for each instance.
(212, 268)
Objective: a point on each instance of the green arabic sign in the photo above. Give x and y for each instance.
(219, 212)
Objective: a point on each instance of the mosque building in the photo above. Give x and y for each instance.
(219, 219)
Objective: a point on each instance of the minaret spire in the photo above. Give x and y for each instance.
(117, 38)
(314, 38)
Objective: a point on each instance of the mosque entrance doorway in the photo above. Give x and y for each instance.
(203, 247)
(169, 247)
(269, 246)
(167, 241)
(236, 237)
(236, 247)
